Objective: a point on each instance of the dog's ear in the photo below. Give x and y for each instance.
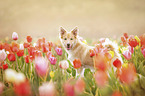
(75, 31)
(62, 31)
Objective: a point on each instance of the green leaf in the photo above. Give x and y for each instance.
(73, 72)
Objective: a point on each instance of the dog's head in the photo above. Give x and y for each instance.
(68, 39)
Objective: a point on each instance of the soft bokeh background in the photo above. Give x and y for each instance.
(94, 18)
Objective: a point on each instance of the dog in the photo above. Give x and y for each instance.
(76, 49)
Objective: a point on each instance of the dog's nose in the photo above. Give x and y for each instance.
(68, 45)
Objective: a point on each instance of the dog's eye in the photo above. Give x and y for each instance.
(71, 38)
(65, 38)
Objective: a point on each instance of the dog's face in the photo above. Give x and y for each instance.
(68, 39)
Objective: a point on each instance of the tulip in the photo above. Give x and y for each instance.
(101, 62)
(77, 63)
(64, 64)
(1, 87)
(143, 51)
(3, 55)
(47, 89)
(69, 89)
(27, 58)
(20, 53)
(29, 39)
(79, 86)
(23, 89)
(117, 63)
(127, 73)
(41, 66)
(11, 57)
(31, 50)
(10, 75)
(116, 93)
(131, 49)
(21, 47)
(5, 66)
(92, 53)
(125, 35)
(101, 78)
(58, 51)
(20, 78)
(127, 54)
(132, 41)
(14, 36)
(51, 74)
(26, 45)
(14, 47)
(142, 40)
(1, 45)
(52, 60)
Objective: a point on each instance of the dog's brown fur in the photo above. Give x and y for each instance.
(77, 50)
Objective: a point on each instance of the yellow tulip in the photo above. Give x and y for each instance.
(51, 74)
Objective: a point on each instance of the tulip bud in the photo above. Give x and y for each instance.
(58, 51)
(64, 64)
(3, 55)
(15, 36)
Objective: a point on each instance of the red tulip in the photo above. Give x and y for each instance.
(58, 51)
(15, 36)
(23, 89)
(27, 59)
(101, 78)
(29, 39)
(14, 47)
(11, 57)
(5, 66)
(6, 46)
(26, 44)
(127, 74)
(142, 40)
(116, 93)
(20, 53)
(127, 54)
(132, 41)
(125, 35)
(77, 63)
(1, 45)
(117, 63)
(31, 50)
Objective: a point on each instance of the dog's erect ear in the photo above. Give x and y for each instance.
(62, 31)
(75, 31)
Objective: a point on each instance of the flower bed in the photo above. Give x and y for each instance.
(42, 69)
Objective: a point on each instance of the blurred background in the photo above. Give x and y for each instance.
(94, 18)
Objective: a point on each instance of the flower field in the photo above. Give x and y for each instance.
(41, 68)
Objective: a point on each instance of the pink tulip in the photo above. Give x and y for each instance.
(41, 66)
(64, 64)
(101, 78)
(127, 54)
(143, 51)
(52, 60)
(3, 55)
(58, 51)
(15, 36)
(69, 89)
(131, 49)
(47, 89)
(79, 86)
